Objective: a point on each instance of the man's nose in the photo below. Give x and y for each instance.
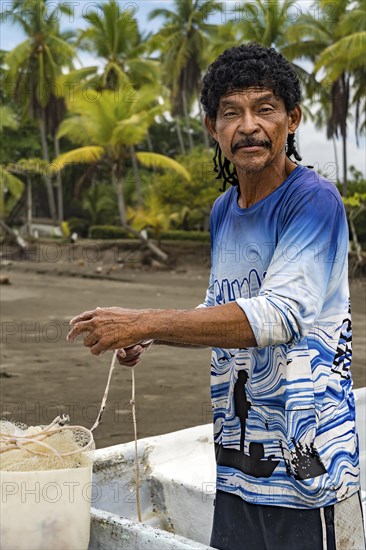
(248, 123)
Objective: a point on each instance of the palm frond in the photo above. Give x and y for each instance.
(82, 155)
(154, 160)
(11, 189)
(8, 118)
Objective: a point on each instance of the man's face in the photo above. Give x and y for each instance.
(251, 128)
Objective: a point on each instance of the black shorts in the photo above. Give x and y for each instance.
(238, 525)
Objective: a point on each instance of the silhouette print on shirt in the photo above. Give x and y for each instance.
(305, 461)
(253, 464)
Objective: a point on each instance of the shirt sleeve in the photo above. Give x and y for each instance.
(209, 300)
(311, 251)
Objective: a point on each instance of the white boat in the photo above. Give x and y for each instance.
(177, 490)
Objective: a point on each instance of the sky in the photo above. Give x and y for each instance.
(315, 149)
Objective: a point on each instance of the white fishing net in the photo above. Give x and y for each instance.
(51, 447)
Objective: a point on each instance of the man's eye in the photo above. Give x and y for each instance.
(229, 113)
(265, 109)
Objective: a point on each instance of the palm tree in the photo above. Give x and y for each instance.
(33, 67)
(347, 55)
(184, 42)
(311, 36)
(347, 52)
(113, 35)
(106, 128)
(265, 22)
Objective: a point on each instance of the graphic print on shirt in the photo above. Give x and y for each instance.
(343, 357)
(253, 464)
(305, 461)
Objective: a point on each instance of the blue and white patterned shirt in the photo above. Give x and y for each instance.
(284, 412)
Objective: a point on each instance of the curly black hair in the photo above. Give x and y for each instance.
(246, 66)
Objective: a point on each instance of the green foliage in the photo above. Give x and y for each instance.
(108, 232)
(108, 117)
(79, 226)
(114, 36)
(190, 201)
(180, 235)
(153, 214)
(355, 205)
(11, 189)
(265, 21)
(8, 118)
(21, 143)
(35, 63)
(99, 202)
(112, 232)
(184, 43)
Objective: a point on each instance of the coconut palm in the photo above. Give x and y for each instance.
(347, 55)
(113, 35)
(347, 52)
(311, 35)
(34, 65)
(265, 22)
(184, 43)
(106, 127)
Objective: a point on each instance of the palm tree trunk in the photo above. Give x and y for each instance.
(180, 138)
(188, 125)
(60, 199)
(344, 149)
(46, 157)
(29, 204)
(136, 174)
(344, 106)
(335, 156)
(149, 142)
(118, 185)
(150, 148)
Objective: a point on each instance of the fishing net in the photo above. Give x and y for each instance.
(51, 447)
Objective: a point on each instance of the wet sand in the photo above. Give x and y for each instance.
(42, 375)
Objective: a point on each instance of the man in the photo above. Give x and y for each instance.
(277, 316)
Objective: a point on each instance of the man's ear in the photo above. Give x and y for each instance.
(294, 119)
(211, 127)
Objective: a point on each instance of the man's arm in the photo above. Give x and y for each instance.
(223, 326)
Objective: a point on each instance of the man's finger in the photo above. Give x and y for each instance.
(131, 363)
(82, 317)
(133, 351)
(90, 339)
(78, 328)
(98, 348)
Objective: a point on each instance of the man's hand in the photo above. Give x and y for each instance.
(108, 328)
(130, 356)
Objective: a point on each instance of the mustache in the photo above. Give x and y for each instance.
(250, 142)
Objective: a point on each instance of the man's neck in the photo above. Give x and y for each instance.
(255, 186)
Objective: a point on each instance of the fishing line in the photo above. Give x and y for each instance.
(133, 404)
